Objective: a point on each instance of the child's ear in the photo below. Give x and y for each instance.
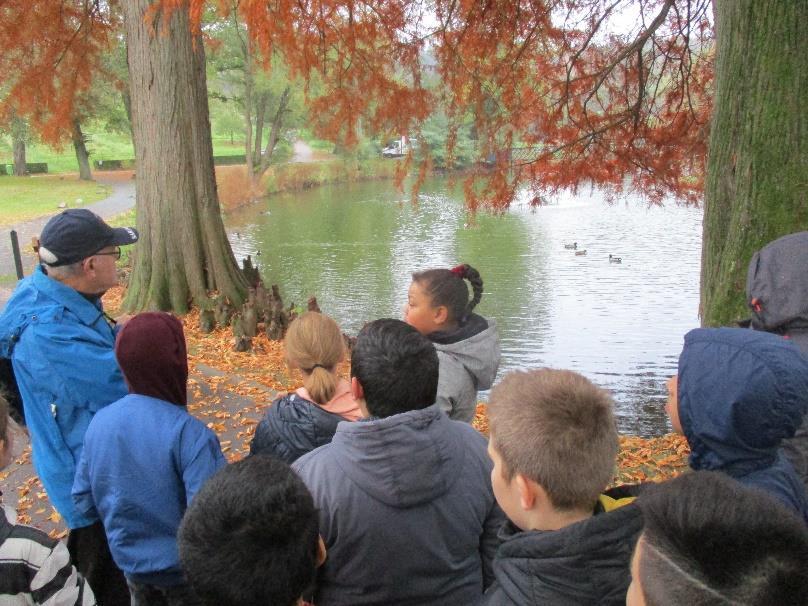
(357, 391)
(440, 314)
(530, 493)
(322, 553)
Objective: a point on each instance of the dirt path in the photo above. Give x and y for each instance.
(120, 200)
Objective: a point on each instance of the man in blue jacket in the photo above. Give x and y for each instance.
(407, 512)
(61, 346)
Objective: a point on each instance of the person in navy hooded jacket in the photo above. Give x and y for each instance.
(738, 395)
(407, 511)
(145, 458)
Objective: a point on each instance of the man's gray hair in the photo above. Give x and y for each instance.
(63, 272)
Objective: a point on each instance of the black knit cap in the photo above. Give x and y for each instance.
(78, 233)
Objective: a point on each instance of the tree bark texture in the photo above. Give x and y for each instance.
(19, 135)
(260, 112)
(183, 251)
(246, 53)
(274, 133)
(19, 157)
(82, 155)
(757, 169)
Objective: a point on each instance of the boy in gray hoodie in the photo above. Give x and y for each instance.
(406, 507)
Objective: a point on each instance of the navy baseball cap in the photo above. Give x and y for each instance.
(78, 233)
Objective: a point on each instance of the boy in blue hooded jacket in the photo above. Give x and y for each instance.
(145, 458)
(738, 395)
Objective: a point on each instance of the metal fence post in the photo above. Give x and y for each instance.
(15, 249)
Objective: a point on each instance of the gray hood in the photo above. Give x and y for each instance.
(478, 355)
(467, 366)
(403, 460)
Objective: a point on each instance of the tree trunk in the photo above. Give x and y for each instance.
(19, 157)
(82, 156)
(756, 186)
(126, 97)
(183, 251)
(260, 112)
(246, 54)
(274, 134)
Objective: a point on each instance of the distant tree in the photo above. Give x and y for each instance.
(51, 61)
(268, 99)
(19, 137)
(79, 140)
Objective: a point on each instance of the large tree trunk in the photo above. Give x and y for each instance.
(756, 180)
(19, 156)
(82, 155)
(183, 252)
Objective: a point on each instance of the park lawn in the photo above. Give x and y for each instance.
(102, 146)
(25, 198)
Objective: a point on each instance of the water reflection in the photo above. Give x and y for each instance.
(355, 246)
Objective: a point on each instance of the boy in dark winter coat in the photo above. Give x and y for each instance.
(740, 393)
(145, 458)
(404, 496)
(554, 443)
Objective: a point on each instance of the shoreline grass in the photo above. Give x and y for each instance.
(26, 198)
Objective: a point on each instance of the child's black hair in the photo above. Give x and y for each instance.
(250, 536)
(397, 367)
(709, 539)
(447, 287)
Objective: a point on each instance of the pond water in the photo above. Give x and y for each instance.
(622, 325)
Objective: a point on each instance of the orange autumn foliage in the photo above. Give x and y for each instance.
(556, 98)
(50, 51)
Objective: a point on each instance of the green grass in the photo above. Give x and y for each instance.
(102, 146)
(24, 198)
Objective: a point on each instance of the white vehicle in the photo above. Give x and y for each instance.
(399, 147)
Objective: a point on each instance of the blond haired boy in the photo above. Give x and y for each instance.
(553, 444)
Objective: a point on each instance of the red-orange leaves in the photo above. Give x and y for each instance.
(49, 53)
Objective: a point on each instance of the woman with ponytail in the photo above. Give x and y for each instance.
(306, 419)
(438, 307)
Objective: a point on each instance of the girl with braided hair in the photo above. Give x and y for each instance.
(438, 307)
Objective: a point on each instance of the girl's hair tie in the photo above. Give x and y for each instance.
(310, 370)
(459, 271)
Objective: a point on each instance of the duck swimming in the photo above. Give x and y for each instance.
(572, 246)
(580, 253)
(613, 259)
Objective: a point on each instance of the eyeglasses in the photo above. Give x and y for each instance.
(115, 253)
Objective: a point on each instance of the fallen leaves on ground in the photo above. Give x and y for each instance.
(639, 459)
